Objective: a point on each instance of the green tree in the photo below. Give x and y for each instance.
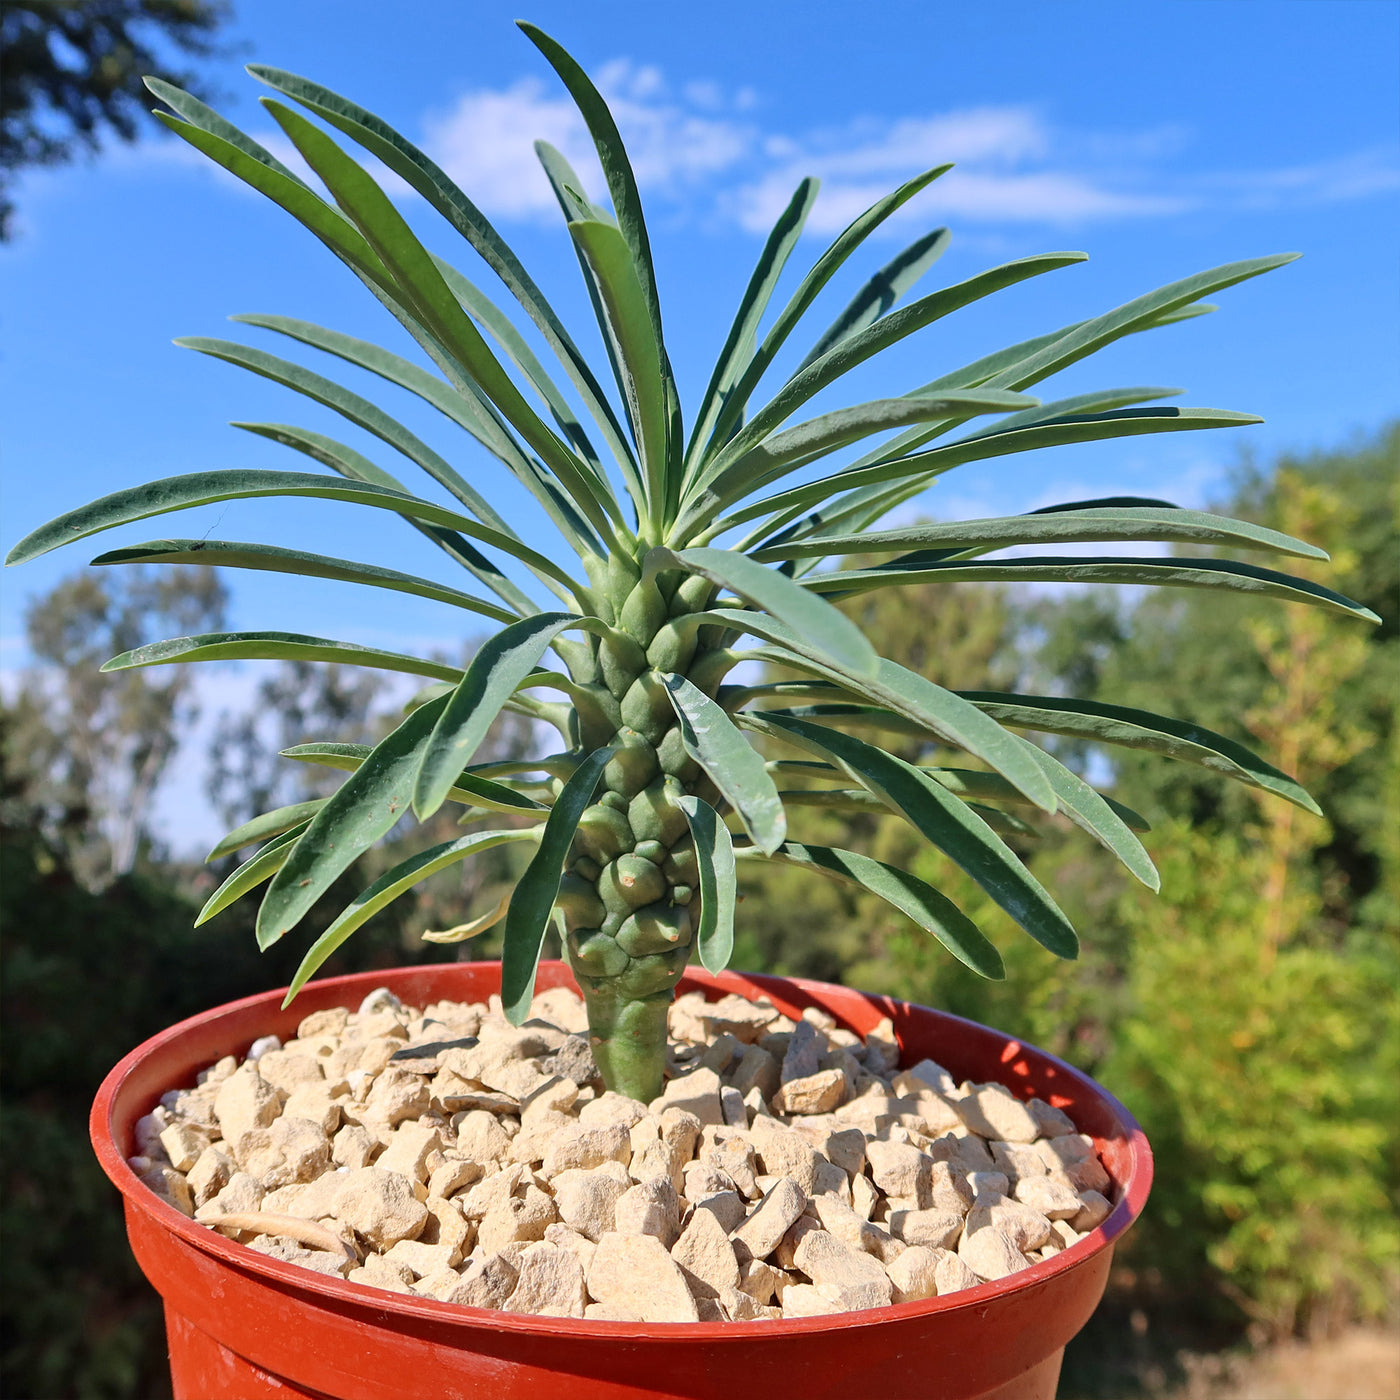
(91, 746)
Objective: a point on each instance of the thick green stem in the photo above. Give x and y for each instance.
(628, 1036)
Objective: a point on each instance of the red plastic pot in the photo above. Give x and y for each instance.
(243, 1326)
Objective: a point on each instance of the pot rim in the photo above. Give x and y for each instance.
(335, 991)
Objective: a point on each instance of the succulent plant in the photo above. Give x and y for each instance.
(678, 547)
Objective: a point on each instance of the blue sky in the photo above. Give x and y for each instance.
(1162, 137)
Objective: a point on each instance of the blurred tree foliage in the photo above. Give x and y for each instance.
(1247, 1015)
(73, 71)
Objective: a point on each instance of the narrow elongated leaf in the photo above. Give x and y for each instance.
(933, 912)
(467, 787)
(617, 169)
(252, 873)
(968, 783)
(286, 190)
(274, 646)
(732, 763)
(205, 117)
(415, 274)
(887, 331)
(739, 344)
(936, 461)
(1077, 523)
(1140, 729)
(796, 447)
(941, 819)
(356, 467)
(863, 801)
(538, 888)
(492, 678)
(273, 559)
(410, 164)
(714, 857)
(845, 243)
(881, 292)
(264, 827)
(639, 352)
(393, 883)
(928, 706)
(365, 807)
(824, 629)
(1091, 812)
(1229, 574)
(356, 409)
(204, 488)
(503, 332)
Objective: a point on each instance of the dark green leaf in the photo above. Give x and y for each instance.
(274, 646)
(262, 828)
(204, 488)
(272, 558)
(825, 630)
(941, 819)
(497, 669)
(365, 807)
(739, 344)
(410, 164)
(252, 873)
(467, 787)
(1228, 574)
(1139, 729)
(882, 291)
(393, 883)
(933, 912)
(714, 856)
(931, 708)
(735, 768)
(537, 889)
(1080, 522)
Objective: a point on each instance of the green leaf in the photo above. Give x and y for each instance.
(204, 488)
(887, 331)
(410, 164)
(274, 646)
(734, 766)
(355, 409)
(714, 857)
(1228, 574)
(1092, 812)
(881, 292)
(1142, 313)
(467, 787)
(257, 170)
(198, 114)
(859, 800)
(796, 447)
(846, 242)
(825, 630)
(537, 889)
(266, 826)
(417, 279)
(743, 332)
(926, 465)
(640, 354)
(497, 669)
(941, 819)
(931, 708)
(617, 169)
(393, 883)
(499, 327)
(933, 912)
(365, 807)
(273, 559)
(252, 873)
(1080, 522)
(1139, 729)
(355, 467)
